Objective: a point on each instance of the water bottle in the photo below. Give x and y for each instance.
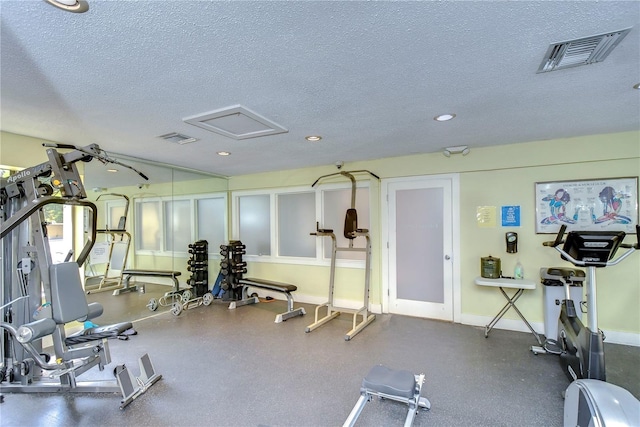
(518, 272)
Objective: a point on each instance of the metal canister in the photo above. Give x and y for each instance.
(490, 267)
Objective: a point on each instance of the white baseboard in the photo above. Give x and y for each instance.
(613, 337)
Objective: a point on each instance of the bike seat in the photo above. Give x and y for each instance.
(569, 274)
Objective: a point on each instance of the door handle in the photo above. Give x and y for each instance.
(447, 257)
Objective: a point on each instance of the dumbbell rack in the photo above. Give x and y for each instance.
(232, 267)
(198, 265)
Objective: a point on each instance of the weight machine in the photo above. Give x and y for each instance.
(351, 232)
(39, 298)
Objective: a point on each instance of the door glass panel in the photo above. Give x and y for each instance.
(419, 225)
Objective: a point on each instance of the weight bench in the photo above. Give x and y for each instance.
(401, 386)
(283, 288)
(128, 274)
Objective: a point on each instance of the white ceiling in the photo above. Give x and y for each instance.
(367, 76)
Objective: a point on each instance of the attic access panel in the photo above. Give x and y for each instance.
(237, 122)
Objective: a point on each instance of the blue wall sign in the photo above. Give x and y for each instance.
(511, 216)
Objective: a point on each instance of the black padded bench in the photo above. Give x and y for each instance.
(269, 285)
(128, 274)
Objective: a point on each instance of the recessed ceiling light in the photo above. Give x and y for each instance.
(444, 117)
(223, 153)
(112, 170)
(636, 86)
(313, 138)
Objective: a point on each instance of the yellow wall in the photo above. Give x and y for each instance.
(21, 151)
(492, 176)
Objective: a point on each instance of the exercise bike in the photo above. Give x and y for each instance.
(580, 347)
(589, 400)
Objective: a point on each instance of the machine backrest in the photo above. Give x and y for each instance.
(350, 223)
(68, 301)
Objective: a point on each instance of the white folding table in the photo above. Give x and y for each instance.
(520, 285)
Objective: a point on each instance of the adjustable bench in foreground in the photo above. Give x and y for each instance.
(283, 288)
(399, 385)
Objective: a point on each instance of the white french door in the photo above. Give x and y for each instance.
(420, 214)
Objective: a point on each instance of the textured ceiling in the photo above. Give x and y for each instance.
(367, 76)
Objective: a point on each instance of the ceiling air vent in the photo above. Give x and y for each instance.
(236, 122)
(178, 138)
(586, 50)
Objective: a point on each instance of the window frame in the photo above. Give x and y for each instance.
(275, 258)
(193, 208)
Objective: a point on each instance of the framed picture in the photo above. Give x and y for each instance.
(595, 204)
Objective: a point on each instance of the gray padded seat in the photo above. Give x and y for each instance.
(69, 303)
(388, 381)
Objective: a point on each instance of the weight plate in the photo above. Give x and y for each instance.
(176, 308)
(207, 298)
(153, 304)
(186, 295)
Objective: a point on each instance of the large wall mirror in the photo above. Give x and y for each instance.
(148, 225)
(144, 225)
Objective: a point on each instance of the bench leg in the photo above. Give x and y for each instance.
(357, 409)
(240, 303)
(291, 312)
(125, 287)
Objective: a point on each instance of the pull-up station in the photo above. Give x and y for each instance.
(117, 240)
(351, 232)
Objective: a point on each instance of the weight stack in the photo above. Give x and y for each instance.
(198, 265)
(232, 267)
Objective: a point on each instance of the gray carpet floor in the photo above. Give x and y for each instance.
(225, 367)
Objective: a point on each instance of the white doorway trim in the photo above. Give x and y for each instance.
(455, 220)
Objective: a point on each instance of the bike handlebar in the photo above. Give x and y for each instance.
(631, 248)
(558, 239)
